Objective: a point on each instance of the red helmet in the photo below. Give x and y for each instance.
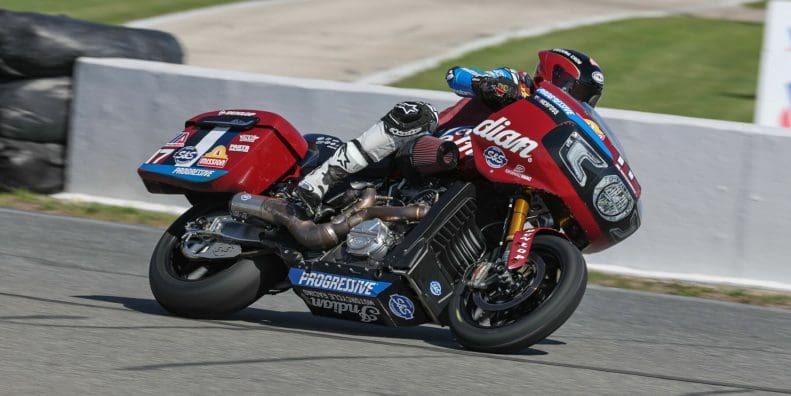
(572, 71)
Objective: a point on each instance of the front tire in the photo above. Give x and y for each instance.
(229, 287)
(559, 295)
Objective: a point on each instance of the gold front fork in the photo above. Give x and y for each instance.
(518, 217)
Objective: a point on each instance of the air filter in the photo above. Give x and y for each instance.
(428, 155)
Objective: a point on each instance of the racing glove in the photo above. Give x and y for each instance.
(495, 92)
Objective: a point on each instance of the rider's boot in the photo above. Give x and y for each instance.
(406, 121)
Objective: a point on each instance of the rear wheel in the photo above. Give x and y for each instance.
(539, 298)
(207, 289)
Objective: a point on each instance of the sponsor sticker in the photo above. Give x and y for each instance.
(435, 288)
(461, 137)
(193, 172)
(185, 155)
(520, 248)
(178, 141)
(495, 157)
(401, 306)
(598, 77)
(215, 158)
(341, 304)
(497, 132)
(248, 138)
(329, 141)
(595, 128)
(515, 173)
(568, 55)
(242, 148)
(236, 113)
(336, 283)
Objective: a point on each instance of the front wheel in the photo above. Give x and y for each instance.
(537, 300)
(200, 289)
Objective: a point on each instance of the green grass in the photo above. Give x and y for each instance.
(757, 4)
(747, 296)
(107, 11)
(679, 65)
(25, 200)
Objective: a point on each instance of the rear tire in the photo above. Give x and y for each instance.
(535, 325)
(231, 289)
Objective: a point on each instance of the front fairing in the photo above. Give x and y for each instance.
(551, 142)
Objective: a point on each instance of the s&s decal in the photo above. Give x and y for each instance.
(495, 157)
(185, 155)
(435, 288)
(401, 306)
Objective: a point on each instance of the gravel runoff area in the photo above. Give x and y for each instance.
(351, 40)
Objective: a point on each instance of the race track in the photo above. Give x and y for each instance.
(77, 317)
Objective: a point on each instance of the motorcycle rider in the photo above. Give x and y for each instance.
(484, 92)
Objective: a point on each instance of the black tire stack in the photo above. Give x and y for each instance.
(37, 56)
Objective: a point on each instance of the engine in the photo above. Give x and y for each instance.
(371, 239)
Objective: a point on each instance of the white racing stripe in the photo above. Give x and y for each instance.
(206, 143)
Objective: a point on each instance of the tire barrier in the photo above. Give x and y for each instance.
(37, 167)
(37, 45)
(35, 110)
(37, 57)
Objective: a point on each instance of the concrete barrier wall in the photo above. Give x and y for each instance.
(715, 193)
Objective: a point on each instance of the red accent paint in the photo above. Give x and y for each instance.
(277, 149)
(522, 243)
(540, 167)
(785, 118)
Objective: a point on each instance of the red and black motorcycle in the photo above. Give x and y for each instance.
(481, 228)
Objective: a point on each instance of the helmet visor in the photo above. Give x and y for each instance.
(585, 93)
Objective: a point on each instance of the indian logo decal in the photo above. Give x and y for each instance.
(497, 131)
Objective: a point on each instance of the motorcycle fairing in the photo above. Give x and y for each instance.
(522, 144)
(226, 151)
(353, 292)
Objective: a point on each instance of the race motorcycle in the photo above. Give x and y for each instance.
(481, 229)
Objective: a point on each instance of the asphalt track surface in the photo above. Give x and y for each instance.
(77, 317)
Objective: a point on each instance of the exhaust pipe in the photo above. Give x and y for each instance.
(325, 235)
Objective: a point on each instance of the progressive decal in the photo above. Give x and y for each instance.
(576, 118)
(336, 283)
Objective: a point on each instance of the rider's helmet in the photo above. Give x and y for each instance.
(572, 71)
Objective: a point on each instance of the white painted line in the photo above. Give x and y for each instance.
(397, 73)
(700, 278)
(121, 202)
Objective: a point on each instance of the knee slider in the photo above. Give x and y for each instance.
(410, 119)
